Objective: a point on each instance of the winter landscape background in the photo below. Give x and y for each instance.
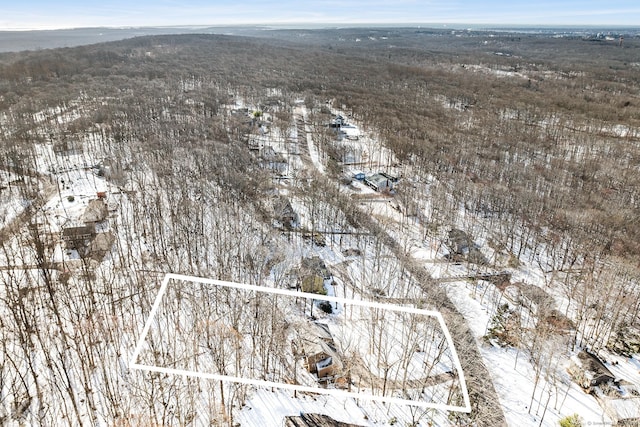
(489, 175)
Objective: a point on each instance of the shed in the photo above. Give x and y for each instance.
(242, 112)
(463, 247)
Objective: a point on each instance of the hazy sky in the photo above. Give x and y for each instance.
(36, 14)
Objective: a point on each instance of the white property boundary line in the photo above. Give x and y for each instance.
(332, 392)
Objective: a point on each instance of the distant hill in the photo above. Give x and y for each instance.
(15, 41)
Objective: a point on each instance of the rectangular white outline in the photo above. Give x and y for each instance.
(332, 392)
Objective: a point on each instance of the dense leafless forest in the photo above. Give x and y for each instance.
(529, 143)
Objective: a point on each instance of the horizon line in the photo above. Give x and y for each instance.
(334, 25)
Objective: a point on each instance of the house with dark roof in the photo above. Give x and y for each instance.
(459, 242)
(284, 213)
(462, 247)
(79, 236)
(590, 372)
(381, 181)
(272, 159)
(595, 372)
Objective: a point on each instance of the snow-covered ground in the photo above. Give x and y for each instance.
(555, 396)
(269, 407)
(514, 377)
(361, 267)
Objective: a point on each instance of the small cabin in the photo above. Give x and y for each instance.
(318, 351)
(326, 367)
(337, 121)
